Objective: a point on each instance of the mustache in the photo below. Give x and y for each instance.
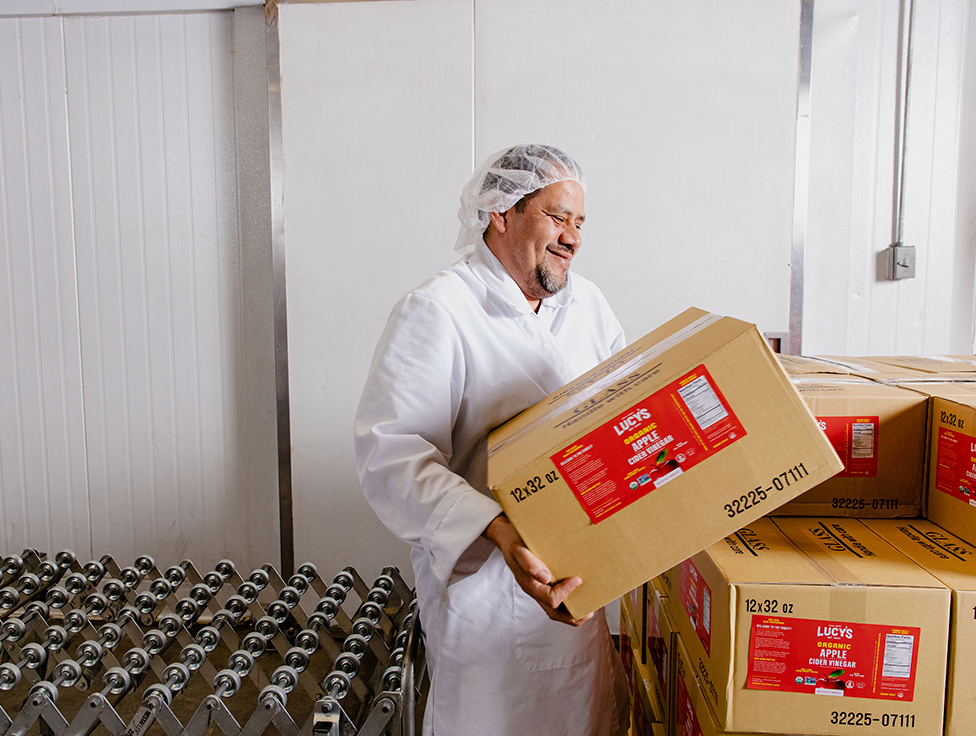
(561, 247)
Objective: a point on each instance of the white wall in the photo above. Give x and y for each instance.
(965, 241)
(850, 308)
(137, 408)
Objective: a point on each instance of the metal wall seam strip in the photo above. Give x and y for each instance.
(285, 511)
(801, 181)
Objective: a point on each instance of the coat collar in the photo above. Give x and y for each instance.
(490, 271)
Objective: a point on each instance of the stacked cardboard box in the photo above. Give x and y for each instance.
(878, 431)
(647, 702)
(950, 499)
(789, 611)
(657, 644)
(953, 561)
(892, 369)
(895, 580)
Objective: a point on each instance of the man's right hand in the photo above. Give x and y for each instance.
(530, 572)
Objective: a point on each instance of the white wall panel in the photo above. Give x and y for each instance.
(137, 304)
(43, 489)
(136, 345)
(850, 308)
(376, 124)
(683, 116)
(965, 239)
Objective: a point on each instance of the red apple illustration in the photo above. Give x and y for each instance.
(832, 681)
(663, 465)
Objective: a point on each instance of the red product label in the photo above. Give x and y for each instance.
(653, 442)
(833, 658)
(855, 439)
(685, 717)
(956, 465)
(696, 599)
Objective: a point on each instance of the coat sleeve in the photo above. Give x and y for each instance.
(403, 436)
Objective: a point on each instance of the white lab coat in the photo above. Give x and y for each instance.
(461, 354)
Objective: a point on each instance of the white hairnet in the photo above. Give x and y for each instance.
(503, 179)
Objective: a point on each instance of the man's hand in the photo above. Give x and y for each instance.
(532, 576)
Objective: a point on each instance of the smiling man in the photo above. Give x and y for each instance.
(462, 353)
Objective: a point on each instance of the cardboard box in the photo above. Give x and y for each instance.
(670, 434)
(952, 561)
(627, 646)
(633, 617)
(655, 667)
(646, 697)
(940, 364)
(659, 663)
(814, 626)
(692, 715)
(872, 368)
(950, 499)
(879, 431)
(803, 365)
(645, 706)
(636, 610)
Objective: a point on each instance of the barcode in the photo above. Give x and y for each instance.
(898, 656)
(862, 439)
(706, 611)
(703, 402)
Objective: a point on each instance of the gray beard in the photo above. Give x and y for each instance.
(549, 282)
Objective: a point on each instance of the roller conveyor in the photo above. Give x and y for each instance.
(131, 649)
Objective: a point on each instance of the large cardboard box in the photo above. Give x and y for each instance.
(952, 561)
(879, 431)
(815, 626)
(692, 715)
(663, 449)
(950, 495)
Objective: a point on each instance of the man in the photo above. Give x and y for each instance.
(494, 334)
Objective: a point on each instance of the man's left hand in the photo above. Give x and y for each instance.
(530, 572)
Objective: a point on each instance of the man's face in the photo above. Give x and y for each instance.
(539, 242)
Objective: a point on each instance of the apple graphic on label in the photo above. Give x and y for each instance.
(663, 465)
(832, 681)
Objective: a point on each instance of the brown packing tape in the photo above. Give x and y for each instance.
(848, 602)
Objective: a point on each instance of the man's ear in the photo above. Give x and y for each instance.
(499, 221)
